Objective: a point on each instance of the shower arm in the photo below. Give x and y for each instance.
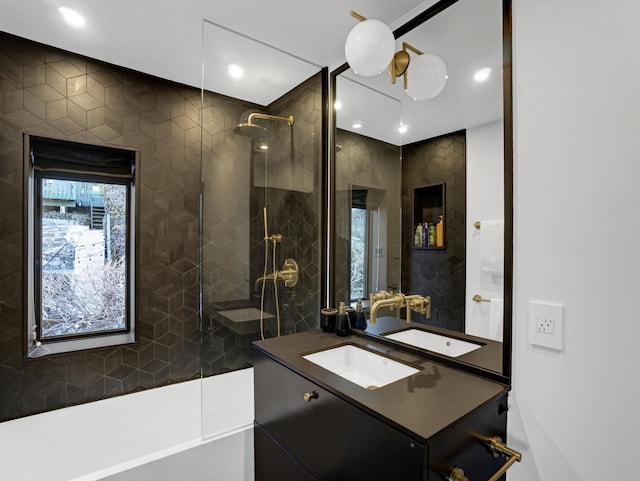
(256, 115)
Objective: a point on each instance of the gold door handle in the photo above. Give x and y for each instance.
(308, 396)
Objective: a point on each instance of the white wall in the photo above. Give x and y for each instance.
(99, 439)
(577, 125)
(485, 201)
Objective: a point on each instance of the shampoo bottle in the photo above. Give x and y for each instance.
(425, 234)
(342, 321)
(432, 235)
(361, 320)
(417, 237)
(440, 232)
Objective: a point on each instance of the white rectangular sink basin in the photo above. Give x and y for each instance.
(448, 346)
(361, 366)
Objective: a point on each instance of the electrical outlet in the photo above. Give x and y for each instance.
(546, 325)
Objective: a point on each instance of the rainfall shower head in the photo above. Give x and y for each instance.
(254, 131)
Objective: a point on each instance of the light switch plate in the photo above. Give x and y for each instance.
(546, 325)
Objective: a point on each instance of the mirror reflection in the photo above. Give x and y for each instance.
(420, 185)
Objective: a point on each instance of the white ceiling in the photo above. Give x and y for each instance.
(284, 41)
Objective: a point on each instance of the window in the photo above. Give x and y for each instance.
(359, 245)
(80, 220)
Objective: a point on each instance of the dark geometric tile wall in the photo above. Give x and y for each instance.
(53, 93)
(233, 242)
(370, 163)
(437, 273)
(49, 92)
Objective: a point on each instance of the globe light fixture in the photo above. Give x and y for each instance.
(427, 78)
(369, 47)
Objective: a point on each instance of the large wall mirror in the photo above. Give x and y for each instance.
(422, 190)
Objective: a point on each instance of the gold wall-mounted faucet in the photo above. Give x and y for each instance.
(414, 302)
(421, 305)
(383, 299)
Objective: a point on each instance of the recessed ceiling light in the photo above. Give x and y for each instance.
(482, 75)
(235, 71)
(264, 146)
(356, 125)
(337, 105)
(72, 17)
(403, 128)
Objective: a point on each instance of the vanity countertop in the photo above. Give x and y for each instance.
(421, 405)
(488, 357)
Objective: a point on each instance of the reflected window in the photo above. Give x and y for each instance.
(359, 245)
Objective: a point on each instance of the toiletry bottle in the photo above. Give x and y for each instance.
(342, 321)
(425, 234)
(432, 235)
(440, 231)
(417, 237)
(361, 320)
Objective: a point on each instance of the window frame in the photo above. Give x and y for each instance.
(36, 346)
(366, 268)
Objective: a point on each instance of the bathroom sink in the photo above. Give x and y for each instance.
(361, 366)
(448, 346)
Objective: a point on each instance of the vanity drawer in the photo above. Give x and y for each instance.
(332, 438)
(273, 462)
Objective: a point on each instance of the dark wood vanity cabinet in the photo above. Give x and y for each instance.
(331, 438)
(303, 431)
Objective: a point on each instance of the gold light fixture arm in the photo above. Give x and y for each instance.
(357, 16)
(400, 63)
(406, 46)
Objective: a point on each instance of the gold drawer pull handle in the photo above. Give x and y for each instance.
(497, 447)
(308, 396)
(457, 474)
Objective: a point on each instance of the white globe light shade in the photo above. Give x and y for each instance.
(369, 48)
(427, 76)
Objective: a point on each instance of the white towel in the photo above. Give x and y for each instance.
(496, 307)
(492, 246)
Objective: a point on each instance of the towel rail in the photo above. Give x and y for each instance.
(479, 298)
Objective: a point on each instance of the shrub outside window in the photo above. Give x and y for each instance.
(80, 259)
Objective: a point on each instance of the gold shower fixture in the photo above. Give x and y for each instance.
(252, 130)
(257, 115)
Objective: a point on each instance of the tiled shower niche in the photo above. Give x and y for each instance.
(440, 273)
